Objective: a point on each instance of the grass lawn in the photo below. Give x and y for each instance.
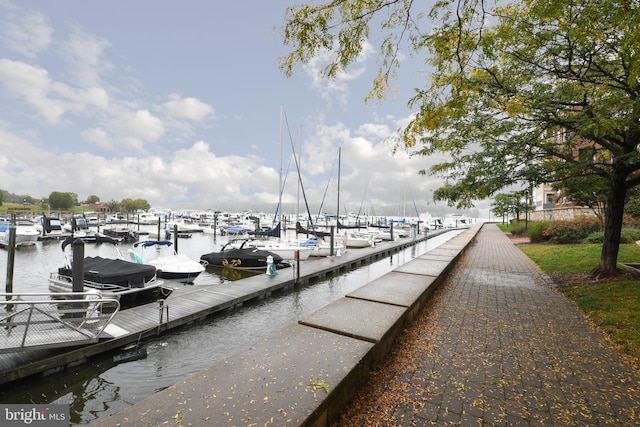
(612, 304)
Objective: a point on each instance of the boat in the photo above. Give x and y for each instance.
(129, 282)
(183, 225)
(356, 240)
(241, 257)
(301, 230)
(26, 233)
(52, 227)
(169, 264)
(287, 250)
(79, 227)
(148, 218)
(272, 232)
(120, 231)
(322, 248)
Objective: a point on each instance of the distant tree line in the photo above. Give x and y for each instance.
(64, 201)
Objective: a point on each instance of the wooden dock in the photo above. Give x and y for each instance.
(188, 304)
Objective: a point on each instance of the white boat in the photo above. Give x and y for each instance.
(52, 227)
(147, 218)
(120, 231)
(287, 250)
(183, 225)
(322, 248)
(169, 264)
(354, 239)
(26, 233)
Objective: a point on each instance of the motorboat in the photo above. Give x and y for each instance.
(169, 264)
(183, 225)
(241, 257)
(26, 233)
(52, 227)
(355, 239)
(148, 218)
(120, 231)
(116, 277)
(79, 227)
(287, 250)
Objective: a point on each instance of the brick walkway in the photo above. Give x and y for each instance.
(505, 349)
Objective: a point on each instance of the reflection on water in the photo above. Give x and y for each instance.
(230, 274)
(101, 386)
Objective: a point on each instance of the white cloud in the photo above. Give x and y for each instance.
(84, 53)
(339, 86)
(32, 85)
(188, 109)
(136, 128)
(99, 137)
(28, 33)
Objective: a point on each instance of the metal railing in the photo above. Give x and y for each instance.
(50, 320)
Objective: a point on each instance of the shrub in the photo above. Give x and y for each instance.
(536, 229)
(628, 235)
(630, 221)
(518, 227)
(571, 231)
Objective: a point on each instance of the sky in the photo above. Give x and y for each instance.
(182, 104)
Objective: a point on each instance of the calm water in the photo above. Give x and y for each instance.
(101, 387)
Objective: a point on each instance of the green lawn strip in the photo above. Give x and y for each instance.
(614, 306)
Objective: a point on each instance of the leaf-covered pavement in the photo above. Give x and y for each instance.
(498, 346)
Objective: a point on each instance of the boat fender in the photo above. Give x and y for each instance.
(271, 267)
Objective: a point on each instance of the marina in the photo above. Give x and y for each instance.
(206, 297)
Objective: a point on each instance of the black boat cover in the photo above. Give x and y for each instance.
(242, 258)
(273, 232)
(301, 230)
(114, 271)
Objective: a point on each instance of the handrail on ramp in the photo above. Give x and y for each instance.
(52, 320)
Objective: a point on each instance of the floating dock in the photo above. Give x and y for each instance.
(188, 304)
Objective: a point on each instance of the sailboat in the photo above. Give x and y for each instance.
(351, 238)
(270, 240)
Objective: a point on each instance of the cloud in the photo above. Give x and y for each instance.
(84, 53)
(191, 109)
(337, 88)
(27, 33)
(32, 85)
(136, 128)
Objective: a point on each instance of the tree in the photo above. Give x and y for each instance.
(513, 203)
(113, 205)
(62, 201)
(1, 197)
(93, 199)
(130, 205)
(516, 89)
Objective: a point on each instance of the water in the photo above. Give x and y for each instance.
(101, 387)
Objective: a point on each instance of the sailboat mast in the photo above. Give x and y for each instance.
(338, 207)
(275, 219)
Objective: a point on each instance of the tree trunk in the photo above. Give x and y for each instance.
(612, 228)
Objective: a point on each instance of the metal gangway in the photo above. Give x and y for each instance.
(51, 320)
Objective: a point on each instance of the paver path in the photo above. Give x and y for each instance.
(498, 346)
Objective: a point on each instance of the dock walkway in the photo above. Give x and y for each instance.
(187, 304)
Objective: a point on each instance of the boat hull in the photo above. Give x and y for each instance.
(241, 258)
(61, 286)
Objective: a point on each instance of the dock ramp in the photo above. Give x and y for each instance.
(47, 320)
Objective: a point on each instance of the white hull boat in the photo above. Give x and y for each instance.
(26, 233)
(356, 240)
(169, 264)
(288, 251)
